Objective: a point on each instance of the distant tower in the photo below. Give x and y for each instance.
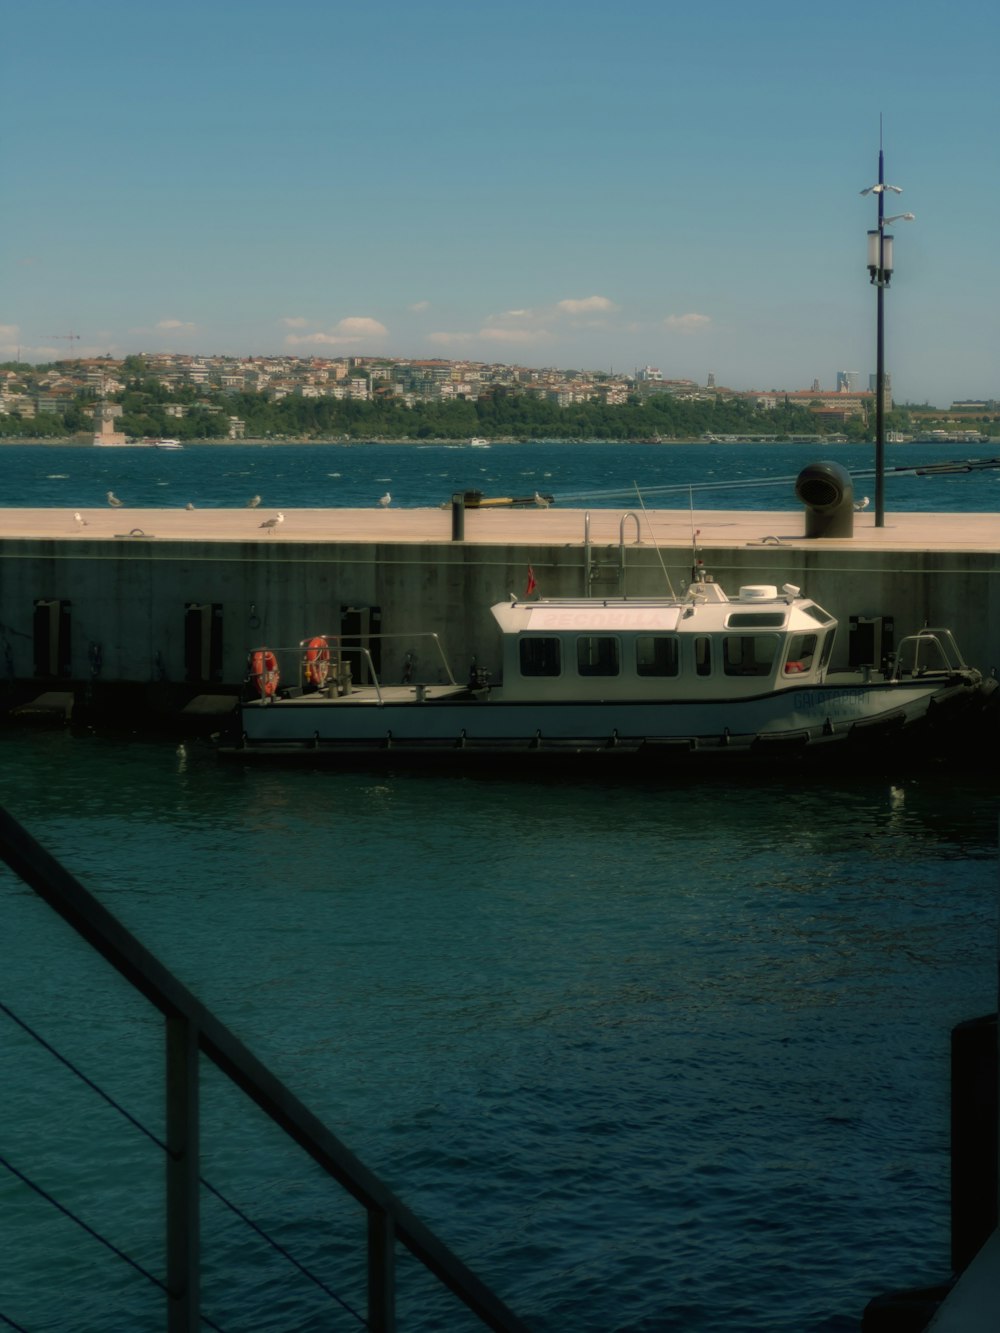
(711, 380)
(105, 416)
(847, 381)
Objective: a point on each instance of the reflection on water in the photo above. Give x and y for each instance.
(648, 1054)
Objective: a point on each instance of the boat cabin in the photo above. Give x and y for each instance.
(704, 645)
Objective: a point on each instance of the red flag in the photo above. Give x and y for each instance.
(532, 585)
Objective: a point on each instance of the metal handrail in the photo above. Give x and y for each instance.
(356, 644)
(942, 639)
(192, 1029)
(621, 545)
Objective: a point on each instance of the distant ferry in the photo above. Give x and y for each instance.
(110, 442)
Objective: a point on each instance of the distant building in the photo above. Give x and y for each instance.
(886, 391)
(847, 381)
(837, 406)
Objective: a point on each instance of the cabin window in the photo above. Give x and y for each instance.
(540, 657)
(827, 652)
(817, 613)
(801, 654)
(597, 655)
(703, 656)
(656, 655)
(748, 654)
(756, 619)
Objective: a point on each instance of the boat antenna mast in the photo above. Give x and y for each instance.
(697, 564)
(656, 547)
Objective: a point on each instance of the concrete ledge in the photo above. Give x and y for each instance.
(148, 608)
(552, 526)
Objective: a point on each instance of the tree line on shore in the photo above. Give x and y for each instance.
(501, 415)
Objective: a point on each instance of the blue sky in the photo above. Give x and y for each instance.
(548, 183)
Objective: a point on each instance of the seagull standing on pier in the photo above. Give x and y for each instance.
(253, 502)
(386, 500)
(272, 523)
(81, 522)
(862, 503)
(113, 500)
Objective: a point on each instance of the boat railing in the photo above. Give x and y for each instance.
(930, 650)
(325, 662)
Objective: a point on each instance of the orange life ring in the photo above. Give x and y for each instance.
(264, 670)
(317, 661)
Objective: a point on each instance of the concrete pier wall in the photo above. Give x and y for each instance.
(123, 603)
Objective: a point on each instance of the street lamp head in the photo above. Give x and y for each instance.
(899, 217)
(879, 257)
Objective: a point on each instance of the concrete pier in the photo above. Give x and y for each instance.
(169, 602)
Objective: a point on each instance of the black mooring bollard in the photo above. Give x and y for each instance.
(458, 516)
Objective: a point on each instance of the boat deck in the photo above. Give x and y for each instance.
(368, 694)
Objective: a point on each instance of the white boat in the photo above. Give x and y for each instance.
(477, 442)
(698, 674)
(164, 444)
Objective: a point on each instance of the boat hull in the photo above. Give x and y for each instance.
(468, 723)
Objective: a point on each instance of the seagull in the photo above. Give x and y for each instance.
(189, 505)
(272, 523)
(541, 501)
(881, 189)
(386, 500)
(862, 503)
(113, 500)
(253, 502)
(81, 521)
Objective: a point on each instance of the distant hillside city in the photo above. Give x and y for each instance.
(386, 398)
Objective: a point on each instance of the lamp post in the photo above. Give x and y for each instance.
(880, 274)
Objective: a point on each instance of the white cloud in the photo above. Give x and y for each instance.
(418, 306)
(8, 331)
(175, 325)
(690, 323)
(527, 324)
(502, 335)
(295, 322)
(361, 327)
(354, 329)
(586, 306)
(446, 339)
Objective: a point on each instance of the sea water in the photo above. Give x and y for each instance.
(647, 1054)
(672, 476)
